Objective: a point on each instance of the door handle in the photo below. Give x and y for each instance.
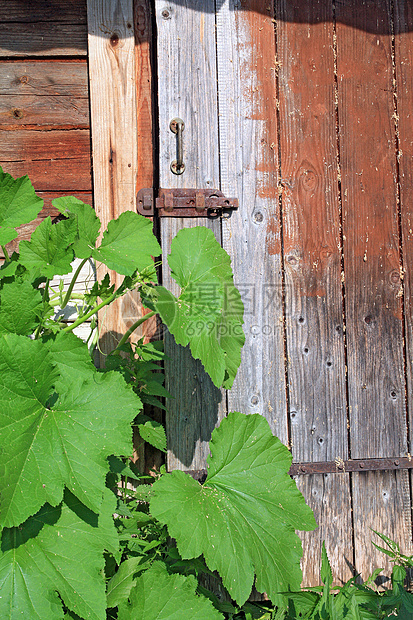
(177, 126)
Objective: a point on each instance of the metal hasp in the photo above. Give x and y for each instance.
(178, 202)
(177, 126)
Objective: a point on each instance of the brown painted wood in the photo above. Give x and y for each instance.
(312, 263)
(372, 273)
(54, 160)
(404, 75)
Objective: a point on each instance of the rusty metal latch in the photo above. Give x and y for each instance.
(178, 202)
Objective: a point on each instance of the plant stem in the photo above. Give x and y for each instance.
(131, 330)
(72, 283)
(94, 310)
(6, 254)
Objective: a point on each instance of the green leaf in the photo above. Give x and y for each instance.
(159, 596)
(20, 306)
(208, 313)
(48, 251)
(56, 429)
(18, 205)
(88, 224)
(70, 354)
(243, 518)
(128, 244)
(120, 585)
(153, 432)
(59, 550)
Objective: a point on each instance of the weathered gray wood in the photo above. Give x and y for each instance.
(187, 89)
(372, 273)
(312, 262)
(44, 79)
(249, 167)
(42, 39)
(113, 120)
(17, 110)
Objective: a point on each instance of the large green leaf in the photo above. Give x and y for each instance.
(243, 518)
(88, 224)
(57, 551)
(20, 306)
(18, 205)
(159, 596)
(208, 313)
(56, 428)
(48, 252)
(128, 244)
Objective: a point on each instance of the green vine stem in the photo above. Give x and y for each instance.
(72, 283)
(6, 254)
(94, 310)
(131, 330)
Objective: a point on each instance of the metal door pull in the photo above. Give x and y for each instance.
(177, 126)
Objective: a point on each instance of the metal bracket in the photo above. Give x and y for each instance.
(178, 202)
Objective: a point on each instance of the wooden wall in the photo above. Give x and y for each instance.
(44, 101)
(301, 109)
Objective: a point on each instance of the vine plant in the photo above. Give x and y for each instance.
(73, 544)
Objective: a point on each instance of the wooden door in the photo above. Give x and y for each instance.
(301, 111)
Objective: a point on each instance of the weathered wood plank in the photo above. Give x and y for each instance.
(18, 110)
(144, 56)
(54, 160)
(114, 127)
(186, 47)
(42, 39)
(248, 133)
(403, 47)
(44, 78)
(57, 11)
(312, 262)
(372, 271)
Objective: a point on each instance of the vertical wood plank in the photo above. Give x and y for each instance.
(114, 130)
(403, 46)
(312, 259)
(187, 89)
(249, 170)
(372, 272)
(144, 52)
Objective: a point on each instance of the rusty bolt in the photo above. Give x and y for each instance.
(361, 465)
(24, 79)
(166, 14)
(258, 216)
